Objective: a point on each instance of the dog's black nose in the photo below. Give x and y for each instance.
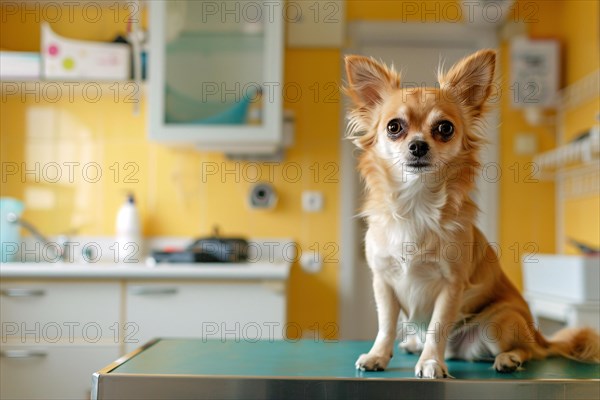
(418, 148)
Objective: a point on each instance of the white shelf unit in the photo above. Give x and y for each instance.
(583, 151)
(574, 166)
(554, 284)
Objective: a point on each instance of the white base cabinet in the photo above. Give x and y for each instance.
(41, 310)
(223, 311)
(55, 334)
(52, 371)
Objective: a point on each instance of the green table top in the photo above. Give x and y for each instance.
(310, 359)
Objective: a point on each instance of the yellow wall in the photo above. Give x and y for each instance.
(527, 207)
(581, 37)
(580, 32)
(404, 10)
(576, 25)
(174, 199)
(528, 210)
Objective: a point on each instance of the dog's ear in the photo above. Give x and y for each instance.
(471, 79)
(368, 80)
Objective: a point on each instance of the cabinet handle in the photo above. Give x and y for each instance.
(148, 290)
(22, 353)
(18, 292)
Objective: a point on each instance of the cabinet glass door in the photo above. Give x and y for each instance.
(214, 65)
(217, 65)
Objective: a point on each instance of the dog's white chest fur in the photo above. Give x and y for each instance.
(403, 247)
(410, 226)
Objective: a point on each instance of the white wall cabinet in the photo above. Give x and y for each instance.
(55, 334)
(215, 74)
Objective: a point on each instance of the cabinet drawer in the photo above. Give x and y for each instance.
(51, 371)
(229, 311)
(37, 311)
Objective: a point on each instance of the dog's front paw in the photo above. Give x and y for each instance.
(372, 362)
(431, 369)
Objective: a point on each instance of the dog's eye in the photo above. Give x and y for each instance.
(394, 128)
(444, 129)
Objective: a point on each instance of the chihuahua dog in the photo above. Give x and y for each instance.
(429, 261)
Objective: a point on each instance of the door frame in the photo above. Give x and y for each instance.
(356, 303)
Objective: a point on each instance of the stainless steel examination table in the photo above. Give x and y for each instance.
(197, 369)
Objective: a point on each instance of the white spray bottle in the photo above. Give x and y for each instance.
(129, 237)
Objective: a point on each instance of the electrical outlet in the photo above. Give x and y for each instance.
(312, 201)
(311, 262)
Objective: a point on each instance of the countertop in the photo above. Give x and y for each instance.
(322, 369)
(234, 271)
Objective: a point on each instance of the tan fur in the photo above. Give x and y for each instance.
(429, 261)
